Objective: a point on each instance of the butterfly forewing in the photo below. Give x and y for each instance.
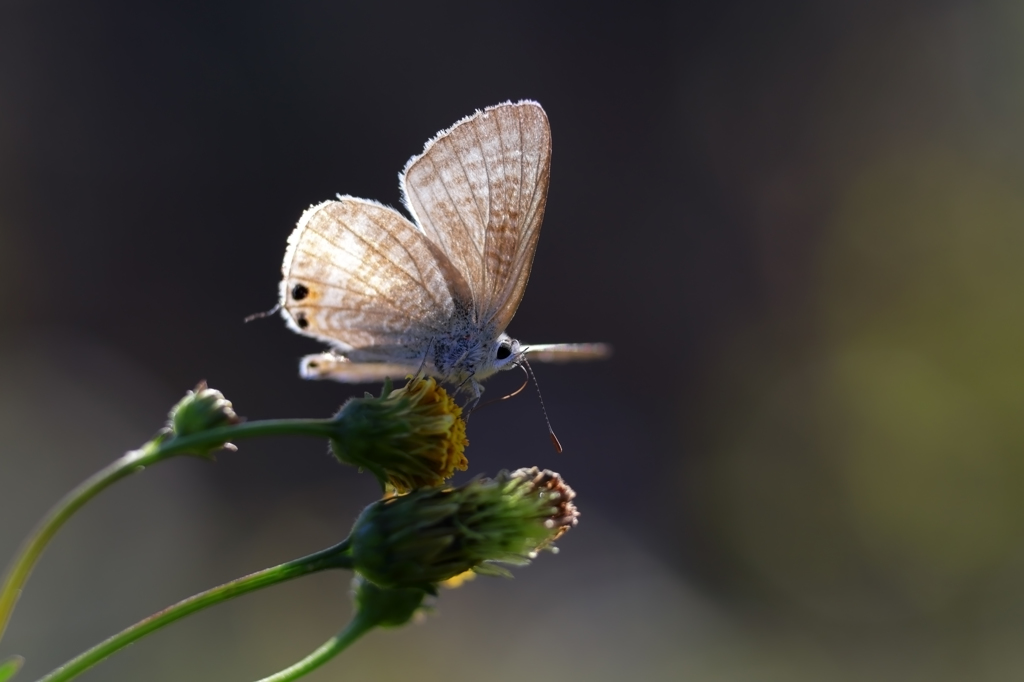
(361, 276)
(478, 192)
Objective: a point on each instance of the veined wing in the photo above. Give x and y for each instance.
(360, 276)
(339, 368)
(478, 191)
(568, 352)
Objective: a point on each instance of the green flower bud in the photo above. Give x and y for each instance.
(433, 534)
(408, 438)
(201, 410)
(386, 607)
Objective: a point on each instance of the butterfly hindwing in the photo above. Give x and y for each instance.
(362, 277)
(339, 368)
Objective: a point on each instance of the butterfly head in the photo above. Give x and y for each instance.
(502, 353)
(506, 353)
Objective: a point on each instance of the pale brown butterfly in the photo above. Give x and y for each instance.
(433, 295)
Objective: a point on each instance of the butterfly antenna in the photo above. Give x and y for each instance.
(260, 316)
(551, 431)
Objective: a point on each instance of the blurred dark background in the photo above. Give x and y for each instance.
(799, 223)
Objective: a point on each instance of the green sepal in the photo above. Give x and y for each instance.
(386, 607)
(488, 568)
(10, 667)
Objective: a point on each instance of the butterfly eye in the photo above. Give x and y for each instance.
(300, 291)
(503, 351)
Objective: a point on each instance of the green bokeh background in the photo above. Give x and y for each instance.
(800, 224)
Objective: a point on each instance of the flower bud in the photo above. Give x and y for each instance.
(548, 485)
(408, 438)
(434, 534)
(201, 410)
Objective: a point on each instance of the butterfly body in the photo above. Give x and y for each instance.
(436, 293)
(461, 352)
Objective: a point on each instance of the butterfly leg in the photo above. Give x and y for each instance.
(426, 354)
(473, 387)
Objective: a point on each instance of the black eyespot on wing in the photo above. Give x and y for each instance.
(503, 352)
(301, 320)
(300, 291)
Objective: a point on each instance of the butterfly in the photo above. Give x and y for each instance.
(434, 294)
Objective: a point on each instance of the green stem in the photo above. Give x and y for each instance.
(333, 557)
(318, 428)
(34, 545)
(155, 451)
(356, 628)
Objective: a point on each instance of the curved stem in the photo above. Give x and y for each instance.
(356, 628)
(333, 557)
(318, 428)
(33, 547)
(152, 452)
